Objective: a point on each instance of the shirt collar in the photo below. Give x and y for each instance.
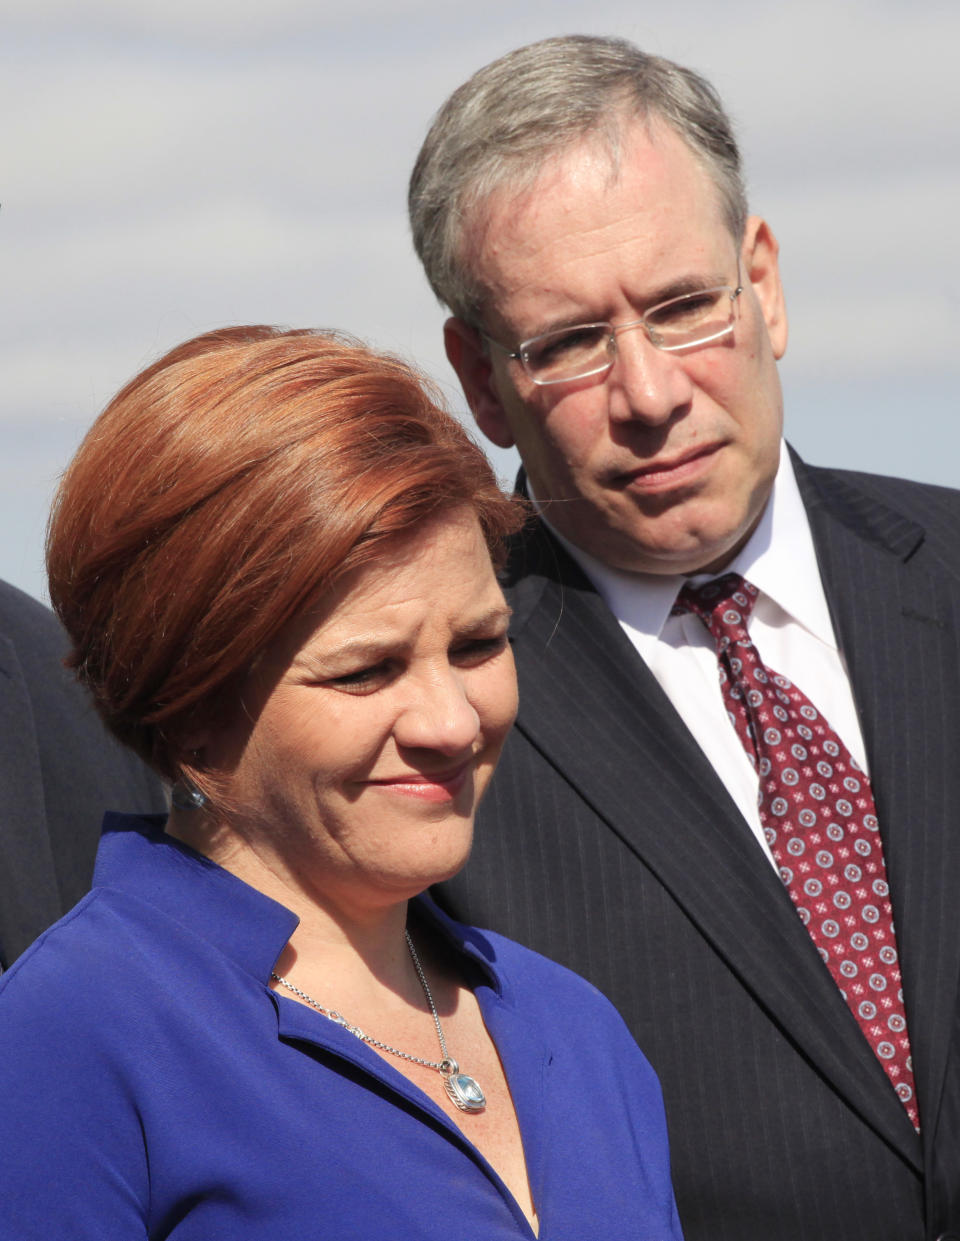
(136, 856)
(779, 558)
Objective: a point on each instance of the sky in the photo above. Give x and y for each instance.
(167, 168)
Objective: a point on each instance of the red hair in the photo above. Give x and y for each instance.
(224, 489)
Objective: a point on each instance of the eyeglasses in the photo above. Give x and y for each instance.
(591, 348)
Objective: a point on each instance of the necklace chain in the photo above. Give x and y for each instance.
(446, 1066)
(462, 1089)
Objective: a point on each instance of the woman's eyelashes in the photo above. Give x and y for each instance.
(365, 678)
(464, 653)
(475, 650)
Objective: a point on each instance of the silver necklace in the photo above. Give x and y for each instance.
(464, 1091)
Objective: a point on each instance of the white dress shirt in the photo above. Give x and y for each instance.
(790, 626)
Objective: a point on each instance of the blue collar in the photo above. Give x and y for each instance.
(137, 857)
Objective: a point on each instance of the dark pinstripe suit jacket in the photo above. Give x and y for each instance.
(59, 771)
(608, 842)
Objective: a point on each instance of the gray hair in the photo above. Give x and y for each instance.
(503, 124)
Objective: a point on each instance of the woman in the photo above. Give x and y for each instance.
(273, 555)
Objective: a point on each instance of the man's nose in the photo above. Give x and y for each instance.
(645, 383)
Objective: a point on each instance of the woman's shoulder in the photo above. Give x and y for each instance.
(76, 962)
(90, 977)
(68, 1007)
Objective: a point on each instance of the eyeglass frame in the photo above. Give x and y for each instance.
(519, 355)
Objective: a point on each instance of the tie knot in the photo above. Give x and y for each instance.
(724, 605)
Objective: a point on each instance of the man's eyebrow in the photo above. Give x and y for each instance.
(684, 285)
(678, 287)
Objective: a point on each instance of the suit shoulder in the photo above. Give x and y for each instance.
(40, 645)
(60, 704)
(933, 510)
(59, 768)
(32, 627)
(924, 502)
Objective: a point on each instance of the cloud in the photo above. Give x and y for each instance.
(169, 167)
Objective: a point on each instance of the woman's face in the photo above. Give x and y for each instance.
(378, 718)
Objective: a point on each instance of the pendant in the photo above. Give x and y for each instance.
(463, 1090)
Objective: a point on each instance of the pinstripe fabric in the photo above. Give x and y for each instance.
(58, 773)
(608, 842)
(30, 900)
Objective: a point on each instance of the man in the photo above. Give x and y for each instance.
(59, 772)
(618, 316)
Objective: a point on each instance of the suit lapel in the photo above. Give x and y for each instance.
(29, 900)
(636, 764)
(897, 625)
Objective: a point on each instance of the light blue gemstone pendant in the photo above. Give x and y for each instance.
(463, 1090)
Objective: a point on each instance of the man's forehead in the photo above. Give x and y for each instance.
(593, 160)
(648, 191)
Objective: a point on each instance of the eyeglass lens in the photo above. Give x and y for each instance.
(587, 349)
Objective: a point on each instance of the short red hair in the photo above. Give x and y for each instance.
(223, 490)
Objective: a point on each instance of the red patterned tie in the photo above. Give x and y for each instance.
(818, 816)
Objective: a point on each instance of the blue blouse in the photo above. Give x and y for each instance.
(152, 1085)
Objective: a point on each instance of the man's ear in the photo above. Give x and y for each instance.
(471, 361)
(761, 267)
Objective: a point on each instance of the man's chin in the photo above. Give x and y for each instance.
(688, 552)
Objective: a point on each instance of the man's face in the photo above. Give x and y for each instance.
(664, 464)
